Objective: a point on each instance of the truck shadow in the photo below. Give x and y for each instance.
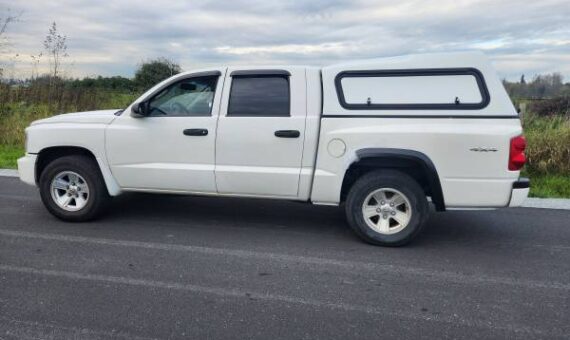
(283, 216)
(226, 211)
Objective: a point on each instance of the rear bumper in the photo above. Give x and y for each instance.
(520, 192)
(27, 169)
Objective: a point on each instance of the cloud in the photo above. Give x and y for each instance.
(112, 37)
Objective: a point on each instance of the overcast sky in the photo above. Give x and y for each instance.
(110, 37)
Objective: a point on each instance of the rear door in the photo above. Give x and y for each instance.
(260, 133)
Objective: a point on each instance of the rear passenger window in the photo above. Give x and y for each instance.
(259, 96)
(412, 89)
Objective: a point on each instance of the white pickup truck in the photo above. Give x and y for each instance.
(383, 137)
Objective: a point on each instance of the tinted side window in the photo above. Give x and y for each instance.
(259, 96)
(189, 97)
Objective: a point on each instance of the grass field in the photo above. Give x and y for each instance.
(8, 156)
(551, 186)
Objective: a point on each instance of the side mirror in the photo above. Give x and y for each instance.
(139, 110)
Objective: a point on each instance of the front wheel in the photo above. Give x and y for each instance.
(386, 208)
(73, 189)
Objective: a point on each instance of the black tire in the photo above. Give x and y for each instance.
(393, 180)
(86, 168)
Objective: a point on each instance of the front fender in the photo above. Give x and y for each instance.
(85, 136)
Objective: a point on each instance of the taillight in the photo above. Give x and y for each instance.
(516, 153)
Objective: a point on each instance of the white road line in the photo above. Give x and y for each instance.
(547, 203)
(423, 274)
(19, 329)
(237, 293)
(8, 173)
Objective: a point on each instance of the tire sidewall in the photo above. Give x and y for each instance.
(404, 184)
(84, 168)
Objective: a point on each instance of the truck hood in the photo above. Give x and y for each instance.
(89, 117)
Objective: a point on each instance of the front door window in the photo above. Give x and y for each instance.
(189, 97)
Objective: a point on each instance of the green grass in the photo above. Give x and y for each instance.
(8, 156)
(16, 116)
(548, 155)
(20, 106)
(548, 144)
(549, 186)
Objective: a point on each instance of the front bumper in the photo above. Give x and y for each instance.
(520, 192)
(27, 168)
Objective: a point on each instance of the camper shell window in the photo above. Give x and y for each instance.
(414, 89)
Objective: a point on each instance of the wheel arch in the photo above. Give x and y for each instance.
(49, 154)
(414, 163)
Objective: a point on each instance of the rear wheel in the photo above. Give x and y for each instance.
(73, 189)
(386, 208)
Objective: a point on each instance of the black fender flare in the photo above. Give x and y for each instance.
(404, 158)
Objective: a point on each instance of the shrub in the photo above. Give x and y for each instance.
(154, 71)
(551, 107)
(548, 138)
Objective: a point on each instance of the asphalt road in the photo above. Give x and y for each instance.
(190, 267)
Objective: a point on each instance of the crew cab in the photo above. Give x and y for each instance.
(383, 138)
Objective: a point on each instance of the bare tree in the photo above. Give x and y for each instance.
(55, 45)
(4, 24)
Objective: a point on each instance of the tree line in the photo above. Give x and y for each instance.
(544, 86)
(147, 75)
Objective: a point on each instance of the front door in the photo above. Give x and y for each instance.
(260, 132)
(173, 148)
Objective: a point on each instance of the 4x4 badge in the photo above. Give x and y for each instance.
(480, 149)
